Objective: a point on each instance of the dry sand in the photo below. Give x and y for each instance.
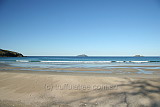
(58, 89)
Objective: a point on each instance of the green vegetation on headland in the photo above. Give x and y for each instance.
(7, 53)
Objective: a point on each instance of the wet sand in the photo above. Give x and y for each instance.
(29, 88)
(110, 70)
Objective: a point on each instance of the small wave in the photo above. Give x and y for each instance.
(34, 61)
(120, 61)
(154, 61)
(22, 61)
(96, 61)
(139, 61)
(26, 61)
(78, 61)
(89, 62)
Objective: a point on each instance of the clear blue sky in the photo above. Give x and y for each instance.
(72, 27)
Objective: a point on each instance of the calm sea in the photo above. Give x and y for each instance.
(72, 61)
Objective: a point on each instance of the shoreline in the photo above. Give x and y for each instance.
(120, 71)
(80, 73)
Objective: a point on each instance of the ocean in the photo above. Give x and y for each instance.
(74, 61)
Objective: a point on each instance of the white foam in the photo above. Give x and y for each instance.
(85, 61)
(78, 61)
(139, 61)
(22, 60)
(120, 61)
(127, 61)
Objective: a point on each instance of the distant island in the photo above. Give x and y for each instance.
(83, 55)
(138, 56)
(7, 53)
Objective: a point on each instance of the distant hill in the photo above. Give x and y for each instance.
(7, 53)
(138, 56)
(83, 55)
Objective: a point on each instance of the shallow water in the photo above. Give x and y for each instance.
(47, 62)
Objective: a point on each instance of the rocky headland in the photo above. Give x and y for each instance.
(7, 53)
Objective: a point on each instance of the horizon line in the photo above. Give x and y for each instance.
(98, 55)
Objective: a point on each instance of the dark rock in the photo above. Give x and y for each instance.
(83, 55)
(6, 53)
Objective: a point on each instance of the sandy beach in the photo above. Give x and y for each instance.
(79, 53)
(27, 88)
